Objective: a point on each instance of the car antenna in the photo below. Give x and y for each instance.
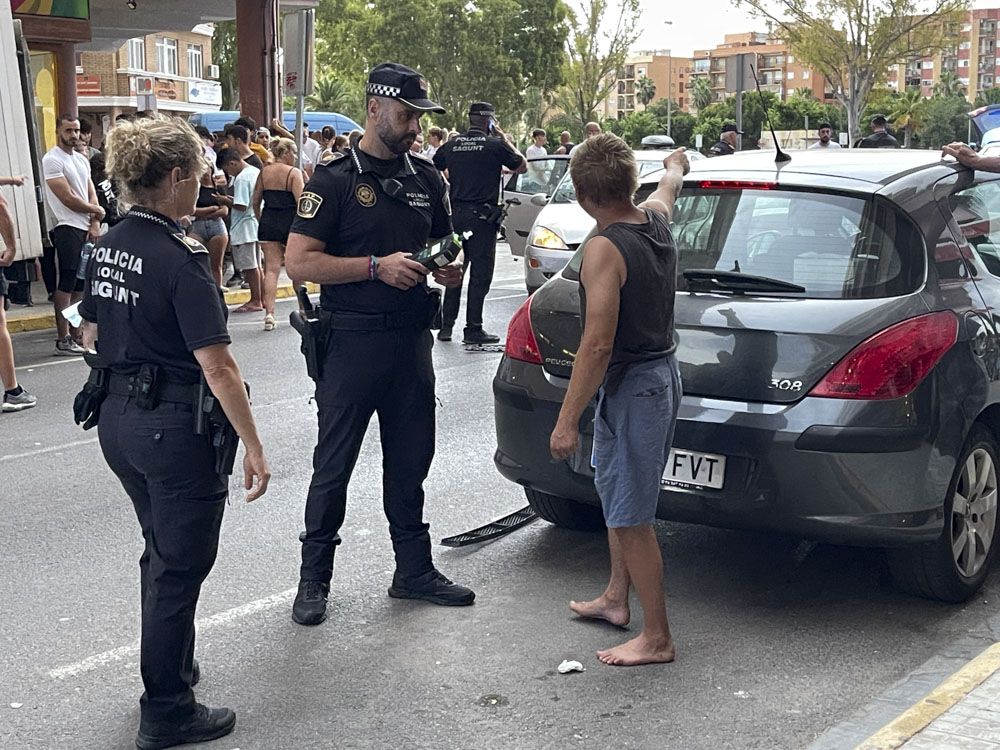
(780, 156)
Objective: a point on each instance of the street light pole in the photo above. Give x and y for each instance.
(670, 83)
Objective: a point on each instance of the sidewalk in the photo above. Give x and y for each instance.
(962, 713)
(41, 315)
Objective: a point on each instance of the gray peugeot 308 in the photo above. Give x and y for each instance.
(837, 330)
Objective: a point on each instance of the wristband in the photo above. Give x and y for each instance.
(372, 268)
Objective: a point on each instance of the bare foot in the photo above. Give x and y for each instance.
(247, 308)
(640, 650)
(602, 609)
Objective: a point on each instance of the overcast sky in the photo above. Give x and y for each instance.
(701, 24)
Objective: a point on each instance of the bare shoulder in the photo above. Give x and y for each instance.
(603, 260)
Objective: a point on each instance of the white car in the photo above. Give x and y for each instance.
(561, 225)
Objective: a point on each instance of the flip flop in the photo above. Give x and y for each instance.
(247, 309)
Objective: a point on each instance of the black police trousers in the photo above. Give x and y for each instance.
(169, 474)
(480, 254)
(389, 373)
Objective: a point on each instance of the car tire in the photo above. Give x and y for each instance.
(531, 289)
(952, 568)
(569, 514)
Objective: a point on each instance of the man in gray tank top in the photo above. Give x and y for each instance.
(626, 358)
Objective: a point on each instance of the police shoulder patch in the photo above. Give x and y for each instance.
(309, 204)
(190, 244)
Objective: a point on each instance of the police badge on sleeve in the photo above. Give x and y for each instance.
(309, 204)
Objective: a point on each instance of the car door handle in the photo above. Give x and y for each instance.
(513, 202)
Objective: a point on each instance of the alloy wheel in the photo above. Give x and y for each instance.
(973, 513)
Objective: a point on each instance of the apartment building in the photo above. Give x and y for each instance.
(174, 67)
(774, 62)
(668, 73)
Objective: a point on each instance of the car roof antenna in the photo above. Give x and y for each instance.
(780, 157)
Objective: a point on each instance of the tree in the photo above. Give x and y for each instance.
(645, 90)
(701, 93)
(224, 55)
(944, 121)
(854, 42)
(949, 85)
(637, 125)
(332, 94)
(598, 43)
(907, 114)
(682, 128)
(988, 96)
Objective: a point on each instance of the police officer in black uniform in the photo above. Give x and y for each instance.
(726, 144)
(474, 160)
(880, 137)
(359, 220)
(157, 319)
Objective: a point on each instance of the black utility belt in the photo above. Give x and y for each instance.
(136, 387)
(341, 321)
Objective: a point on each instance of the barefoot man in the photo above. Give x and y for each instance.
(626, 358)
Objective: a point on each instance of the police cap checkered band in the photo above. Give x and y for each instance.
(482, 109)
(404, 84)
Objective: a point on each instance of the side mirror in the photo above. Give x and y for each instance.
(539, 199)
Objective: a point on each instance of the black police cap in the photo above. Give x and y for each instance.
(482, 109)
(731, 128)
(879, 120)
(395, 81)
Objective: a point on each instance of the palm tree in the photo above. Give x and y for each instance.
(331, 94)
(701, 93)
(949, 85)
(645, 90)
(907, 113)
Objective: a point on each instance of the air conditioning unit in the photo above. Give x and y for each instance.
(213, 71)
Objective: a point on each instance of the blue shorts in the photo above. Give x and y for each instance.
(633, 432)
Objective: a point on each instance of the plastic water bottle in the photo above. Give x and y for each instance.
(88, 248)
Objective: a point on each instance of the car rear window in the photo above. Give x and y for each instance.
(566, 193)
(836, 246)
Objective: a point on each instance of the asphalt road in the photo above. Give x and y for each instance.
(774, 646)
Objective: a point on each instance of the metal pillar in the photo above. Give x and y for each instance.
(65, 55)
(257, 55)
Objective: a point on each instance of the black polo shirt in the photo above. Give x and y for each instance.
(151, 292)
(359, 206)
(879, 140)
(473, 161)
(722, 149)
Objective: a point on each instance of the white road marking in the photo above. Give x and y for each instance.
(64, 361)
(509, 296)
(50, 449)
(221, 619)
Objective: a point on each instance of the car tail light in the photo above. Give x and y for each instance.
(736, 185)
(521, 343)
(893, 362)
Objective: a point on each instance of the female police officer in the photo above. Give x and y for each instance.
(159, 323)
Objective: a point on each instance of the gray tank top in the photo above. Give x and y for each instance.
(646, 313)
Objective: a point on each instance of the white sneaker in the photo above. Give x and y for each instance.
(21, 401)
(268, 322)
(67, 347)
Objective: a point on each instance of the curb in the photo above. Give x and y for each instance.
(44, 320)
(944, 697)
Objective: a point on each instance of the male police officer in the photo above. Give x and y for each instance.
(473, 161)
(360, 218)
(727, 141)
(880, 137)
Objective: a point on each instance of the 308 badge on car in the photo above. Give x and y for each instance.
(692, 469)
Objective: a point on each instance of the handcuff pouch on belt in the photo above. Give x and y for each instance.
(313, 329)
(211, 420)
(87, 404)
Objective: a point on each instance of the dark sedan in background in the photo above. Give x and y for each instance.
(838, 338)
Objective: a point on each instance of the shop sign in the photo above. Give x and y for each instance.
(88, 85)
(205, 92)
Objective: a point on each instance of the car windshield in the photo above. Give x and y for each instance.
(834, 246)
(565, 193)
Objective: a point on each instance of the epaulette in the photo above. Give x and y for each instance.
(425, 157)
(331, 157)
(190, 244)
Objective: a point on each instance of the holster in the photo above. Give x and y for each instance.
(494, 215)
(211, 420)
(87, 404)
(434, 314)
(312, 327)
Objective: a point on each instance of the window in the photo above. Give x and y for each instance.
(980, 228)
(166, 55)
(196, 67)
(963, 63)
(805, 75)
(791, 75)
(927, 84)
(965, 45)
(791, 59)
(928, 65)
(137, 54)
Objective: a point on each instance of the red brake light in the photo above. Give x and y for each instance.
(736, 185)
(521, 342)
(893, 362)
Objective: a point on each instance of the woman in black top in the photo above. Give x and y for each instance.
(158, 321)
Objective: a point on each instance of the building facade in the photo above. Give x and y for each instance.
(774, 62)
(668, 74)
(173, 68)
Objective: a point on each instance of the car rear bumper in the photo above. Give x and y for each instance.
(799, 468)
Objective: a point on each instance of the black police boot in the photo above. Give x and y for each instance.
(206, 724)
(432, 587)
(195, 673)
(445, 333)
(476, 335)
(310, 603)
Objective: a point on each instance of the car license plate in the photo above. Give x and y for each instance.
(691, 469)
